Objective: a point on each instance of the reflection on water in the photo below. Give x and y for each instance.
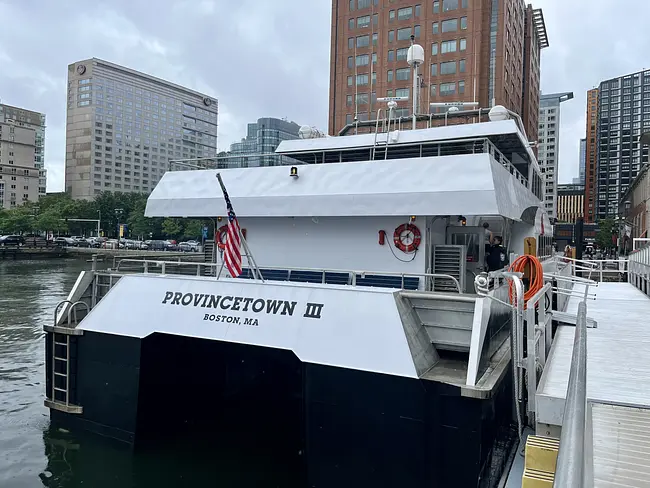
(34, 455)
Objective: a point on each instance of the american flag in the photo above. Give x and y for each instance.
(232, 252)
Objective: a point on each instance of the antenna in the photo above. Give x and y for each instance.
(415, 57)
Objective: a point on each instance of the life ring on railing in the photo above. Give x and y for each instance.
(221, 236)
(407, 238)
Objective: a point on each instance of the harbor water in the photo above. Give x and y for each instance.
(33, 454)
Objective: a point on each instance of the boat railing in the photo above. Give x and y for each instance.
(506, 163)
(386, 279)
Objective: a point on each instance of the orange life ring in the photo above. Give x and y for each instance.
(221, 235)
(399, 238)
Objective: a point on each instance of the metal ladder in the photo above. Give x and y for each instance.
(60, 360)
(380, 148)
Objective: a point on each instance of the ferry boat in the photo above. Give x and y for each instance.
(366, 342)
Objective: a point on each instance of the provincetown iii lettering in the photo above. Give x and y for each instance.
(241, 304)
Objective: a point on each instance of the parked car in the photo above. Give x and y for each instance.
(189, 246)
(12, 240)
(65, 242)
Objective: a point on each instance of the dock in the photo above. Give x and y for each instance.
(618, 383)
(57, 252)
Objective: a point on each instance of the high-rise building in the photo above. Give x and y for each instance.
(580, 180)
(548, 148)
(570, 202)
(623, 114)
(591, 155)
(35, 121)
(474, 51)
(262, 138)
(21, 138)
(124, 127)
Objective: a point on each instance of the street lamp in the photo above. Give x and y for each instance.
(118, 213)
(621, 226)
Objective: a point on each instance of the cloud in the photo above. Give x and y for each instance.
(261, 58)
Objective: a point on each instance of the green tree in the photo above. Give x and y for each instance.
(19, 219)
(51, 220)
(604, 236)
(171, 227)
(142, 226)
(192, 228)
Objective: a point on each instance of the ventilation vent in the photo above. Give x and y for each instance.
(449, 260)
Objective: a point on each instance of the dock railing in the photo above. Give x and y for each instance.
(595, 269)
(572, 469)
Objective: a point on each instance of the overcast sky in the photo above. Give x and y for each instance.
(270, 58)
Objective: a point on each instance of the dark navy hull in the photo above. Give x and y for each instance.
(329, 426)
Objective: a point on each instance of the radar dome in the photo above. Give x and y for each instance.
(415, 55)
(498, 112)
(307, 132)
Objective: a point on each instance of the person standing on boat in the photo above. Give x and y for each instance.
(497, 258)
(489, 238)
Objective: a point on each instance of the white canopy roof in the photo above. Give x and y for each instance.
(444, 133)
(473, 184)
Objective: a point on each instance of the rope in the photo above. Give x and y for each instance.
(536, 276)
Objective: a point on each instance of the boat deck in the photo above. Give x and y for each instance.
(618, 382)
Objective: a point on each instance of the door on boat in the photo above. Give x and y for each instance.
(473, 238)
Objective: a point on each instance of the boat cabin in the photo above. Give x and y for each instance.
(397, 218)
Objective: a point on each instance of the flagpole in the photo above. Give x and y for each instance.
(257, 274)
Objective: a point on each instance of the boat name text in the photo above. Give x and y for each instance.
(240, 304)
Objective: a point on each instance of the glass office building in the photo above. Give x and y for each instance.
(124, 127)
(262, 138)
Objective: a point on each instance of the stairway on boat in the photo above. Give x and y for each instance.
(446, 317)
